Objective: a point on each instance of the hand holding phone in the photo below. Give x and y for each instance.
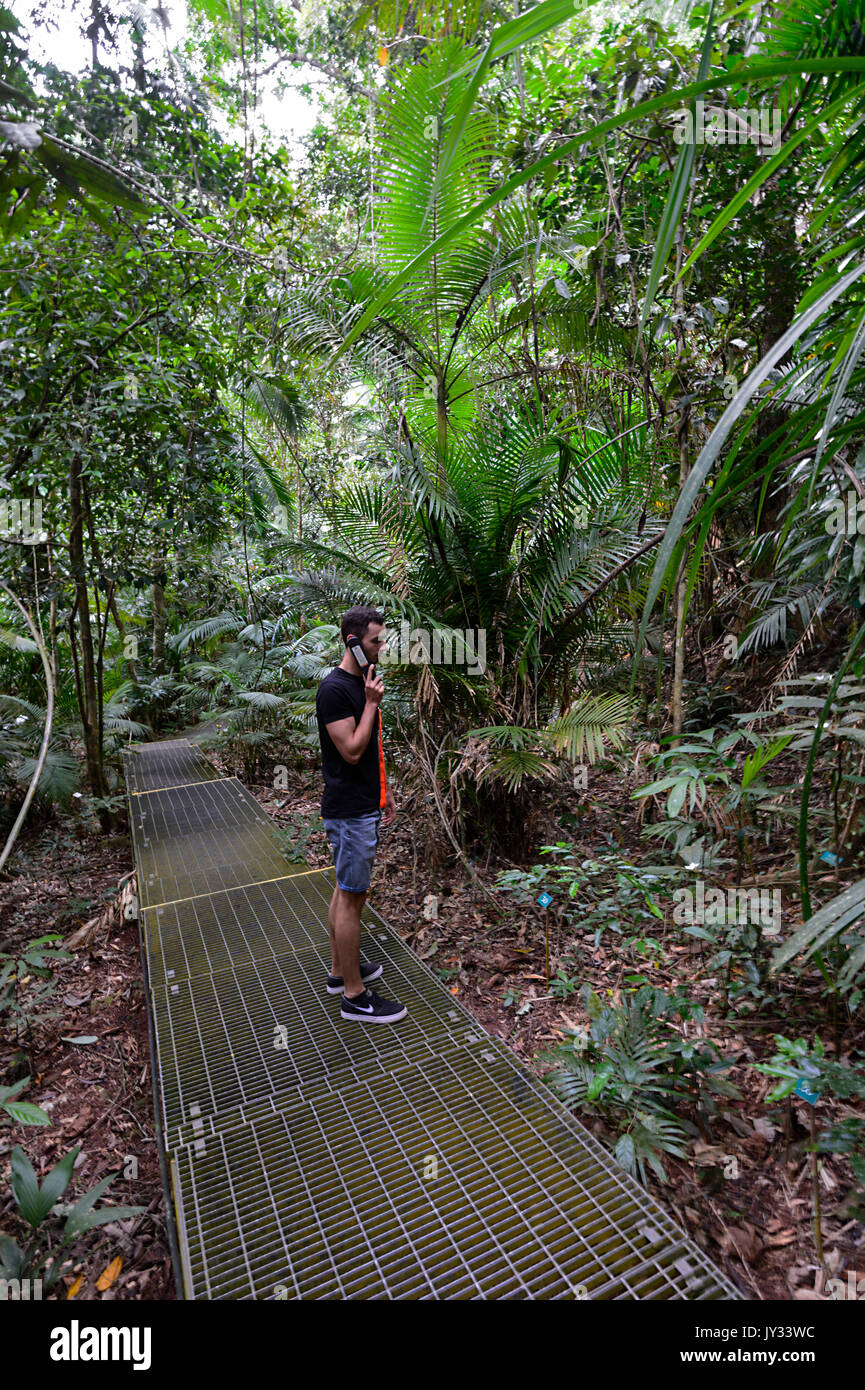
(373, 686)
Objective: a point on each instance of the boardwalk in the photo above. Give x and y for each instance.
(314, 1158)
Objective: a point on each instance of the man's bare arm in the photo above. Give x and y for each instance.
(351, 739)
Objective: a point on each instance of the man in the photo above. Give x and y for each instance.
(356, 799)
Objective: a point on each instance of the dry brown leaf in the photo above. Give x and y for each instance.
(781, 1238)
(109, 1274)
(743, 1240)
(764, 1127)
(797, 1274)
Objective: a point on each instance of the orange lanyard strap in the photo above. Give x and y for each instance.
(382, 777)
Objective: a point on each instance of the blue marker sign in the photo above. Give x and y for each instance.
(802, 1090)
(545, 900)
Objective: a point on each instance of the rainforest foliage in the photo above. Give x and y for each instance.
(551, 336)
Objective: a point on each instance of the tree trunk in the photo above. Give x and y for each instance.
(160, 616)
(88, 691)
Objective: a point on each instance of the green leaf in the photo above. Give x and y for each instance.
(833, 918)
(625, 1152)
(7, 1092)
(85, 1203)
(75, 1225)
(11, 1258)
(25, 1114)
(25, 1187)
(599, 1081)
(850, 361)
(56, 1182)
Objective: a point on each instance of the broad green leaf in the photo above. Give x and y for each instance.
(11, 1258)
(24, 1114)
(625, 1152)
(8, 1092)
(599, 1081)
(676, 799)
(661, 786)
(85, 1203)
(25, 1187)
(85, 1222)
(55, 1183)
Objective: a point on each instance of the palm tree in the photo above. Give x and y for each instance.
(524, 539)
(440, 335)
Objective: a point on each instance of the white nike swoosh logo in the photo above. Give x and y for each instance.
(364, 1008)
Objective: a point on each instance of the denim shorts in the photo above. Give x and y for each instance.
(354, 843)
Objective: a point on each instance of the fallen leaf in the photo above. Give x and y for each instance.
(797, 1274)
(89, 1038)
(765, 1127)
(73, 1288)
(109, 1274)
(781, 1238)
(708, 1153)
(744, 1240)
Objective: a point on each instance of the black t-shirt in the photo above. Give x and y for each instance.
(350, 789)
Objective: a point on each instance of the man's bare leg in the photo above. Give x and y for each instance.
(331, 922)
(345, 939)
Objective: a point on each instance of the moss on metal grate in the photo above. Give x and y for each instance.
(220, 1042)
(169, 815)
(458, 1178)
(204, 934)
(166, 765)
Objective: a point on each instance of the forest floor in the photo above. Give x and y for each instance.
(744, 1194)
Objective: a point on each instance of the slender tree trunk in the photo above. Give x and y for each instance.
(53, 653)
(89, 695)
(110, 600)
(160, 616)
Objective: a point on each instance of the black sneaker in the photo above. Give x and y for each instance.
(371, 1008)
(368, 971)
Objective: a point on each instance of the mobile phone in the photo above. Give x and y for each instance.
(360, 656)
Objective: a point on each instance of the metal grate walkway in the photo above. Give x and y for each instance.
(314, 1158)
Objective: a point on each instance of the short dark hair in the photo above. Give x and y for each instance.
(357, 621)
